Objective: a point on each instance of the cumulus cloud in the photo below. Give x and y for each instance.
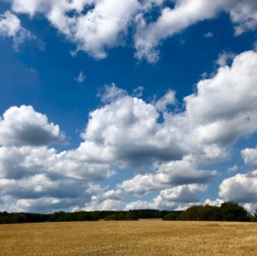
(43, 204)
(127, 132)
(100, 27)
(24, 126)
(240, 188)
(32, 174)
(223, 109)
(166, 175)
(29, 174)
(176, 198)
(145, 138)
(249, 156)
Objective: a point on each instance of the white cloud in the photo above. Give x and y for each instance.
(216, 202)
(244, 16)
(223, 109)
(232, 169)
(224, 58)
(171, 21)
(126, 132)
(145, 139)
(249, 156)
(208, 35)
(168, 99)
(111, 93)
(10, 26)
(109, 200)
(101, 28)
(106, 205)
(177, 198)
(24, 126)
(97, 25)
(241, 188)
(80, 78)
(40, 185)
(43, 204)
(20, 162)
(166, 175)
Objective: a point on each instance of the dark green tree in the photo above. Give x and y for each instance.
(232, 211)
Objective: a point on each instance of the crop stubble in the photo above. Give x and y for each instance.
(144, 237)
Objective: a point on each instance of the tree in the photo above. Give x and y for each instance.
(232, 211)
(254, 216)
(173, 215)
(210, 213)
(192, 213)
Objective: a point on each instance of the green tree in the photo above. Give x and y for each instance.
(232, 211)
(254, 216)
(173, 215)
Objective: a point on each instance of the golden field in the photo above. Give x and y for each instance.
(144, 237)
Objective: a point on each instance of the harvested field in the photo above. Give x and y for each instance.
(144, 237)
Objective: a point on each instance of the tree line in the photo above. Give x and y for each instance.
(228, 211)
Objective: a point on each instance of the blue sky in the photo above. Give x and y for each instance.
(113, 104)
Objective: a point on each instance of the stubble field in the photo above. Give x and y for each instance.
(144, 237)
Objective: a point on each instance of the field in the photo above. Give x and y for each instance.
(144, 237)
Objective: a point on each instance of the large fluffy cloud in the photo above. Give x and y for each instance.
(241, 188)
(145, 139)
(176, 198)
(166, 175)
(24, 126)
(223, 109)
(100, 27)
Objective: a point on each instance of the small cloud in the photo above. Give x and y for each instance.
(224, 58)
(232, 169)
(204, 75)
(167, 100)
(10, 26)
(80, 78)
(138, 92)
(208, 35)
(110, 93)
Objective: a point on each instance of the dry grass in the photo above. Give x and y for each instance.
(144, 237)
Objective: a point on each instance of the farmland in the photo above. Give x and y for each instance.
(143, 237)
